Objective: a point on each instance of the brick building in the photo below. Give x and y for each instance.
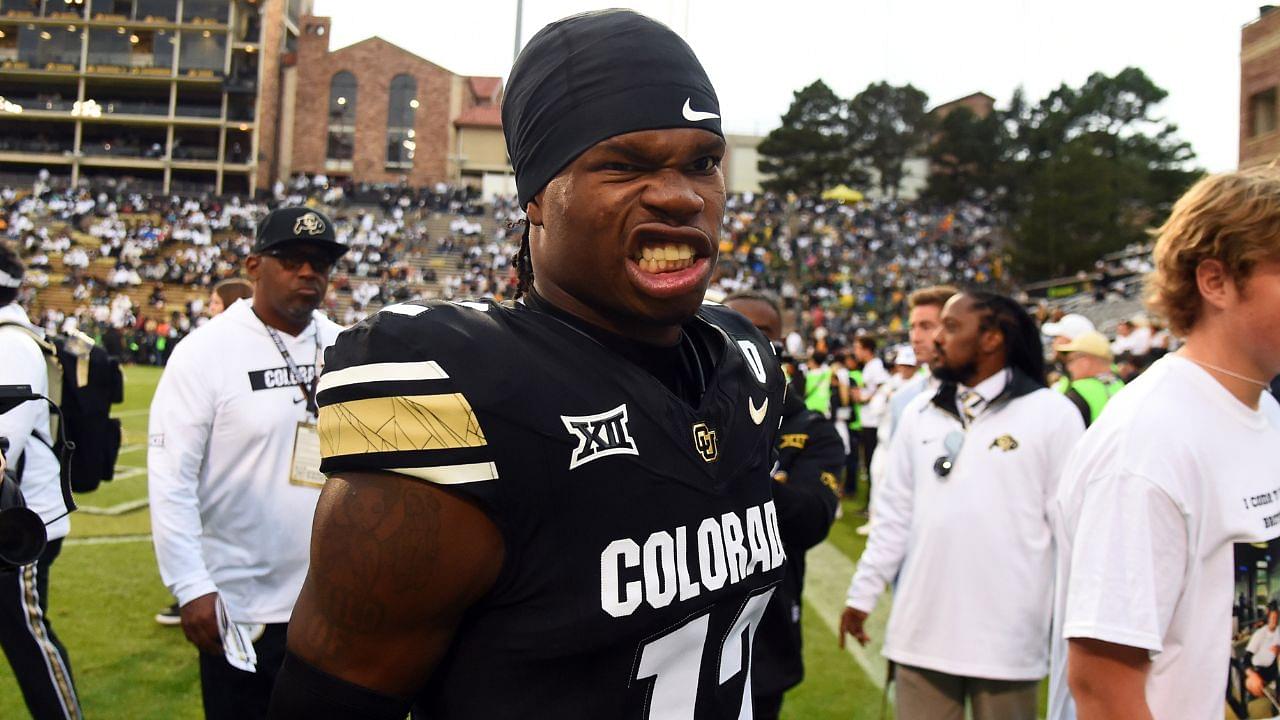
(375, 112)
(227, 96)
(1259, 80)
(979, 103)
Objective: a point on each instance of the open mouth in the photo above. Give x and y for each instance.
(667, 257)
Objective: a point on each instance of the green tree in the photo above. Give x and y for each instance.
(809, 151)
(966, 157)
(1088, 169)
(887, 125)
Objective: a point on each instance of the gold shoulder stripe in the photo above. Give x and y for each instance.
(390, 424)
(453, 474)
(382, 372)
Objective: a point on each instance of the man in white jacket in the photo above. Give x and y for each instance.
(962, 522)
(233, 464)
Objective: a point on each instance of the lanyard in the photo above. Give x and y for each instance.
(308, 389)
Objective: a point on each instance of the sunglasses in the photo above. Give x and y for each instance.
(292, 260)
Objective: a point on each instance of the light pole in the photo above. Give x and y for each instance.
(519, 18)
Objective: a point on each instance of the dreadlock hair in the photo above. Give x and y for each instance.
(1022, 346)
(523, 262)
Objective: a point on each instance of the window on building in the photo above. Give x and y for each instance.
(202, 52)
(401, 109)
(156, 10)
(20, 7)
(50, 46)
(122, 47)
(109, 48)
(209, 11)
(113, 9)
(1262, 112)
(8, 43)
(342, 117)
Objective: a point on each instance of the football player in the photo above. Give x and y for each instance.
(559, 507)
(806, 490)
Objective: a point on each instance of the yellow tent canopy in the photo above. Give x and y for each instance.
(842, 193)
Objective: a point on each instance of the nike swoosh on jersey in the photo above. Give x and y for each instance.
(757, 413)
(696, 115)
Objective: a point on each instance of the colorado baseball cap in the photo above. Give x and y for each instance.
(1091, 343)
(1071, 326)
(297, 225)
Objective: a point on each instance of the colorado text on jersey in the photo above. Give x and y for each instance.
(724, 550)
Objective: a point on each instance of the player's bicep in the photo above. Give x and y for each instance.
(395, 563)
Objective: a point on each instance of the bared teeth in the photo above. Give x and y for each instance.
(671, 252)
(655, 265)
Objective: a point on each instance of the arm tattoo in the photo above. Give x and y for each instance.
(377, 545)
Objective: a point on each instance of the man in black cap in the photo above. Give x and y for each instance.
(559, 507)
(233, 462)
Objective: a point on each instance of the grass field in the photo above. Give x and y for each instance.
(106, 589)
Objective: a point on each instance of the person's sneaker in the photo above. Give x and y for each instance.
(170, 615)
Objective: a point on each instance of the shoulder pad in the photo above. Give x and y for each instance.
(730, 321)
(438, 330)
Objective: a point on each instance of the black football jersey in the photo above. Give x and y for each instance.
(642, 543)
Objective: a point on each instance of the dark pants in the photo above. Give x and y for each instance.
(38, 658)
(851, 465)
(233, 694)
(767, 707)
(930, 695)
(867, 440)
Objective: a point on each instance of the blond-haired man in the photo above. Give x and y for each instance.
(1179, 468)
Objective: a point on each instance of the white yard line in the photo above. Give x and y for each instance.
(131, 413)
(827, 575)
(107, 540)
(124, 472)
(119, 509)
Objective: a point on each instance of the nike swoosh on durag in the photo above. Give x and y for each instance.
(696, 115)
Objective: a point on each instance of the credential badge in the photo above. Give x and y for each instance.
(600, 435)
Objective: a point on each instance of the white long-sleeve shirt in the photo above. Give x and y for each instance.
(23, 363)
(972, 552)
(224, 515)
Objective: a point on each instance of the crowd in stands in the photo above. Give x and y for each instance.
(840, 269)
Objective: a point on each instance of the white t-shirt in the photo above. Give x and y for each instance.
(1154, 497)
(1262, 644)
(873, 376)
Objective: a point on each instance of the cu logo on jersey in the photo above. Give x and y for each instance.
(600, 435)
(704, 439)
